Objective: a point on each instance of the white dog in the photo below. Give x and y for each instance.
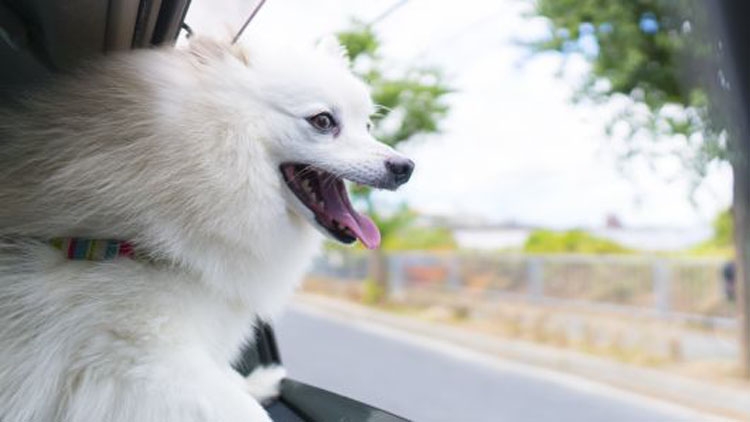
(214, 164)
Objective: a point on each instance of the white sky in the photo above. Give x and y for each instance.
(514, 147)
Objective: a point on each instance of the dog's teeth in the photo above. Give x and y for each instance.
(306, 185)
(321, 204)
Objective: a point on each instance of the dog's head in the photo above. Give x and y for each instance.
(213, 144)
(313, 118)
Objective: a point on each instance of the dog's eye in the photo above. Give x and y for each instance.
(323, 122)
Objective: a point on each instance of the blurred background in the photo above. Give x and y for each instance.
(568, 228)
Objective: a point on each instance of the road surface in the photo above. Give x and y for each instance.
(428, 381)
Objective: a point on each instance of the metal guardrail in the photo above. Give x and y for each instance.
(683, 289)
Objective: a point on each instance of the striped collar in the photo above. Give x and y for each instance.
(78, 248)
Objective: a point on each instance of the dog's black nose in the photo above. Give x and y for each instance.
(401, 169)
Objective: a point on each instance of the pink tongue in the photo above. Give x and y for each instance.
(339, 208)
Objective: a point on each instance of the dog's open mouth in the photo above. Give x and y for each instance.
(325, 195)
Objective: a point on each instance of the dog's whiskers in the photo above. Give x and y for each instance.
(328, 181)
(301, 174)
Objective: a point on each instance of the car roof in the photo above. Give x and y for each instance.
(38, 37)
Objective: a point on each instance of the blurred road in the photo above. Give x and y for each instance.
(427, 381)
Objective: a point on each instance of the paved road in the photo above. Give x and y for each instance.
(429, 381)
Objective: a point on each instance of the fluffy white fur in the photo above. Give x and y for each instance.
(265, 381)
(177, 151)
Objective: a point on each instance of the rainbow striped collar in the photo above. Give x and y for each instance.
(78, 248)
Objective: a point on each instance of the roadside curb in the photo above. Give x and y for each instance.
(722, 400)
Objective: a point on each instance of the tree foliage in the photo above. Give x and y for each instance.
(661, 55)
(400, 233)
(572, 241)
(723, 229)
(415, 98)
(721, 243)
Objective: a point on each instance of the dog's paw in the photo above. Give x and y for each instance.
(264, 383)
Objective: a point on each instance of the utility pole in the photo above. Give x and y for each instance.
(732, 23)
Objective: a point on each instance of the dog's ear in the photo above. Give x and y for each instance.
(241, 53)
(205, 49)
(331, 46)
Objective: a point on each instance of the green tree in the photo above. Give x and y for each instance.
(665, 59)
(721, 243)
(723, 228)
(405, 235)
(658, 55)
(411, 103)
